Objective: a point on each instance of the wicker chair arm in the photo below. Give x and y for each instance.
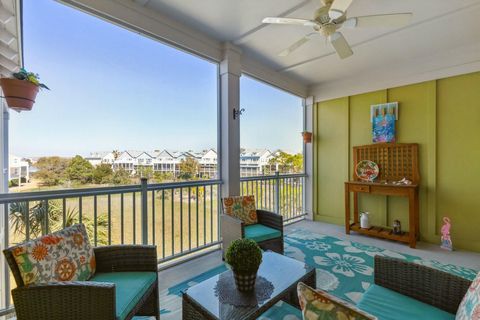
(437, 288)
(232, 229)
(126, 258)
(65, 300)
(270, 219)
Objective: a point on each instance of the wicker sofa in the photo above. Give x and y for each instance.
(406, 290)
(413, 291)
(268, 232)
(125, 284)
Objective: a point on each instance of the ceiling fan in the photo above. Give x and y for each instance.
(333, 16)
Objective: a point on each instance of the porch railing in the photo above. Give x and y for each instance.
(180, 218)
(280, 193)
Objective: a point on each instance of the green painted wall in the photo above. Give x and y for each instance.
(443, 116)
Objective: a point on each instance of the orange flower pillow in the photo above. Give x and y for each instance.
(242, 207)
(65, 255)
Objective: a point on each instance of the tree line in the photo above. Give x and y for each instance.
(54, 171)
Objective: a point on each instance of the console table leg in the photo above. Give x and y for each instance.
(355, 208)
(347, 209)
(412, 217)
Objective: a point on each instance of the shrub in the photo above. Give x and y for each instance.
(102, 173)
(79, 170)
(244, 255)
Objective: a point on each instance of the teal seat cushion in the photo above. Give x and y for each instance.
(259, 232)
(129, 288)
(386, 304)
(281, 310)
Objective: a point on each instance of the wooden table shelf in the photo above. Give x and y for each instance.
(396, 161)
(381, 232)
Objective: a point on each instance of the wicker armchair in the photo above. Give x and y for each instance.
(440, 289)
(233, 228)
(88, 299)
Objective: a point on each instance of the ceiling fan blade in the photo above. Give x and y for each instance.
(338, 8)
(296, 45)
(340, 45)
(293, 21)
(381, 20)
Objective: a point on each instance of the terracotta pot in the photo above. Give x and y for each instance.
(307, 136)
(245, 282)
(20, 94)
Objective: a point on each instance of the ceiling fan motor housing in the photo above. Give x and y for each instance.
(321, 15)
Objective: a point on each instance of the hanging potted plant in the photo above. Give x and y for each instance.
(244, 256)
(21, 90)
(307, 136)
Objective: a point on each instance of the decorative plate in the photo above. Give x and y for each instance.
(367, 170)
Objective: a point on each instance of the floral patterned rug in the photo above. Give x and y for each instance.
(344, 268)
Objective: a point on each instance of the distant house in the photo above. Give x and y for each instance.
(124, 161)
(143, 160)
(167, 162)
(18, 168)
(253, 162)
(96, 158)
(109, 158)
(208, 163)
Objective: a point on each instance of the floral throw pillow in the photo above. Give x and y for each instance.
(65, 255)
(241, 207)
(318, 305)
(469, 308)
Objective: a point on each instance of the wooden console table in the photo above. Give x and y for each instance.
(396, 161)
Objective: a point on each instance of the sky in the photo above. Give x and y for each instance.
(115, 89)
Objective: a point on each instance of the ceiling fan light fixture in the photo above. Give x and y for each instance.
(335, 14)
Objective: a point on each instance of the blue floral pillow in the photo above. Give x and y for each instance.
(469, 308)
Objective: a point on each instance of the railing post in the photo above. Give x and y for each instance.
(144, 198)
(277, 192)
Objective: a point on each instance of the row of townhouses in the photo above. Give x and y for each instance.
(253, 162)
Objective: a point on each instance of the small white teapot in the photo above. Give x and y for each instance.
(364, 220)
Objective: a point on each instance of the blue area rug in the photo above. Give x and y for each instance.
(344, 268)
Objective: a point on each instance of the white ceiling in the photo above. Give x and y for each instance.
(442, 34)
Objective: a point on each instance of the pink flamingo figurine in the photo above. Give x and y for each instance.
(446, 240)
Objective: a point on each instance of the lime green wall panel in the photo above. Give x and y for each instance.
(458, 158)
(413, 127)
(443, 116)
(331, 138)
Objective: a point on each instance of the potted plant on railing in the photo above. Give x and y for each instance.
(244, 256)
(307, 136)
(21, 90)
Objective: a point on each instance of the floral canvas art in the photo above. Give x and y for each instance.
(383, 117)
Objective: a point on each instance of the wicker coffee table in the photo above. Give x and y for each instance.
(202, 302)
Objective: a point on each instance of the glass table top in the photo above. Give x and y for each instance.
(282, 272)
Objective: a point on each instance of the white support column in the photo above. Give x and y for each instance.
(229, 139)
(4, 277)
(308, 105)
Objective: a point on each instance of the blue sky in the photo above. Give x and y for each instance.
(114, 89)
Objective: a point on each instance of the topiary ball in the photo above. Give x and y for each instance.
(244, 256)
